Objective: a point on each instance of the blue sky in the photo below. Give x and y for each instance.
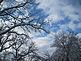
(63, 15)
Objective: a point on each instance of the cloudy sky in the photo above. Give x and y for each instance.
(63, 15)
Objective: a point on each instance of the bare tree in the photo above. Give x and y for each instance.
(15, 14)
(68, 47)
(18, 15)
(23, 50)
(1, 1)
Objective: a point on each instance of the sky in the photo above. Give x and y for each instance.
(63, 15)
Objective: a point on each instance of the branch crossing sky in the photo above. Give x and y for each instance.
(63, 15)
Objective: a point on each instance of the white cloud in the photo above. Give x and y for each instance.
(52, 7)
(70, 12)
(70, 25)
(79, 35)
(41, 41)
(58, 10)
